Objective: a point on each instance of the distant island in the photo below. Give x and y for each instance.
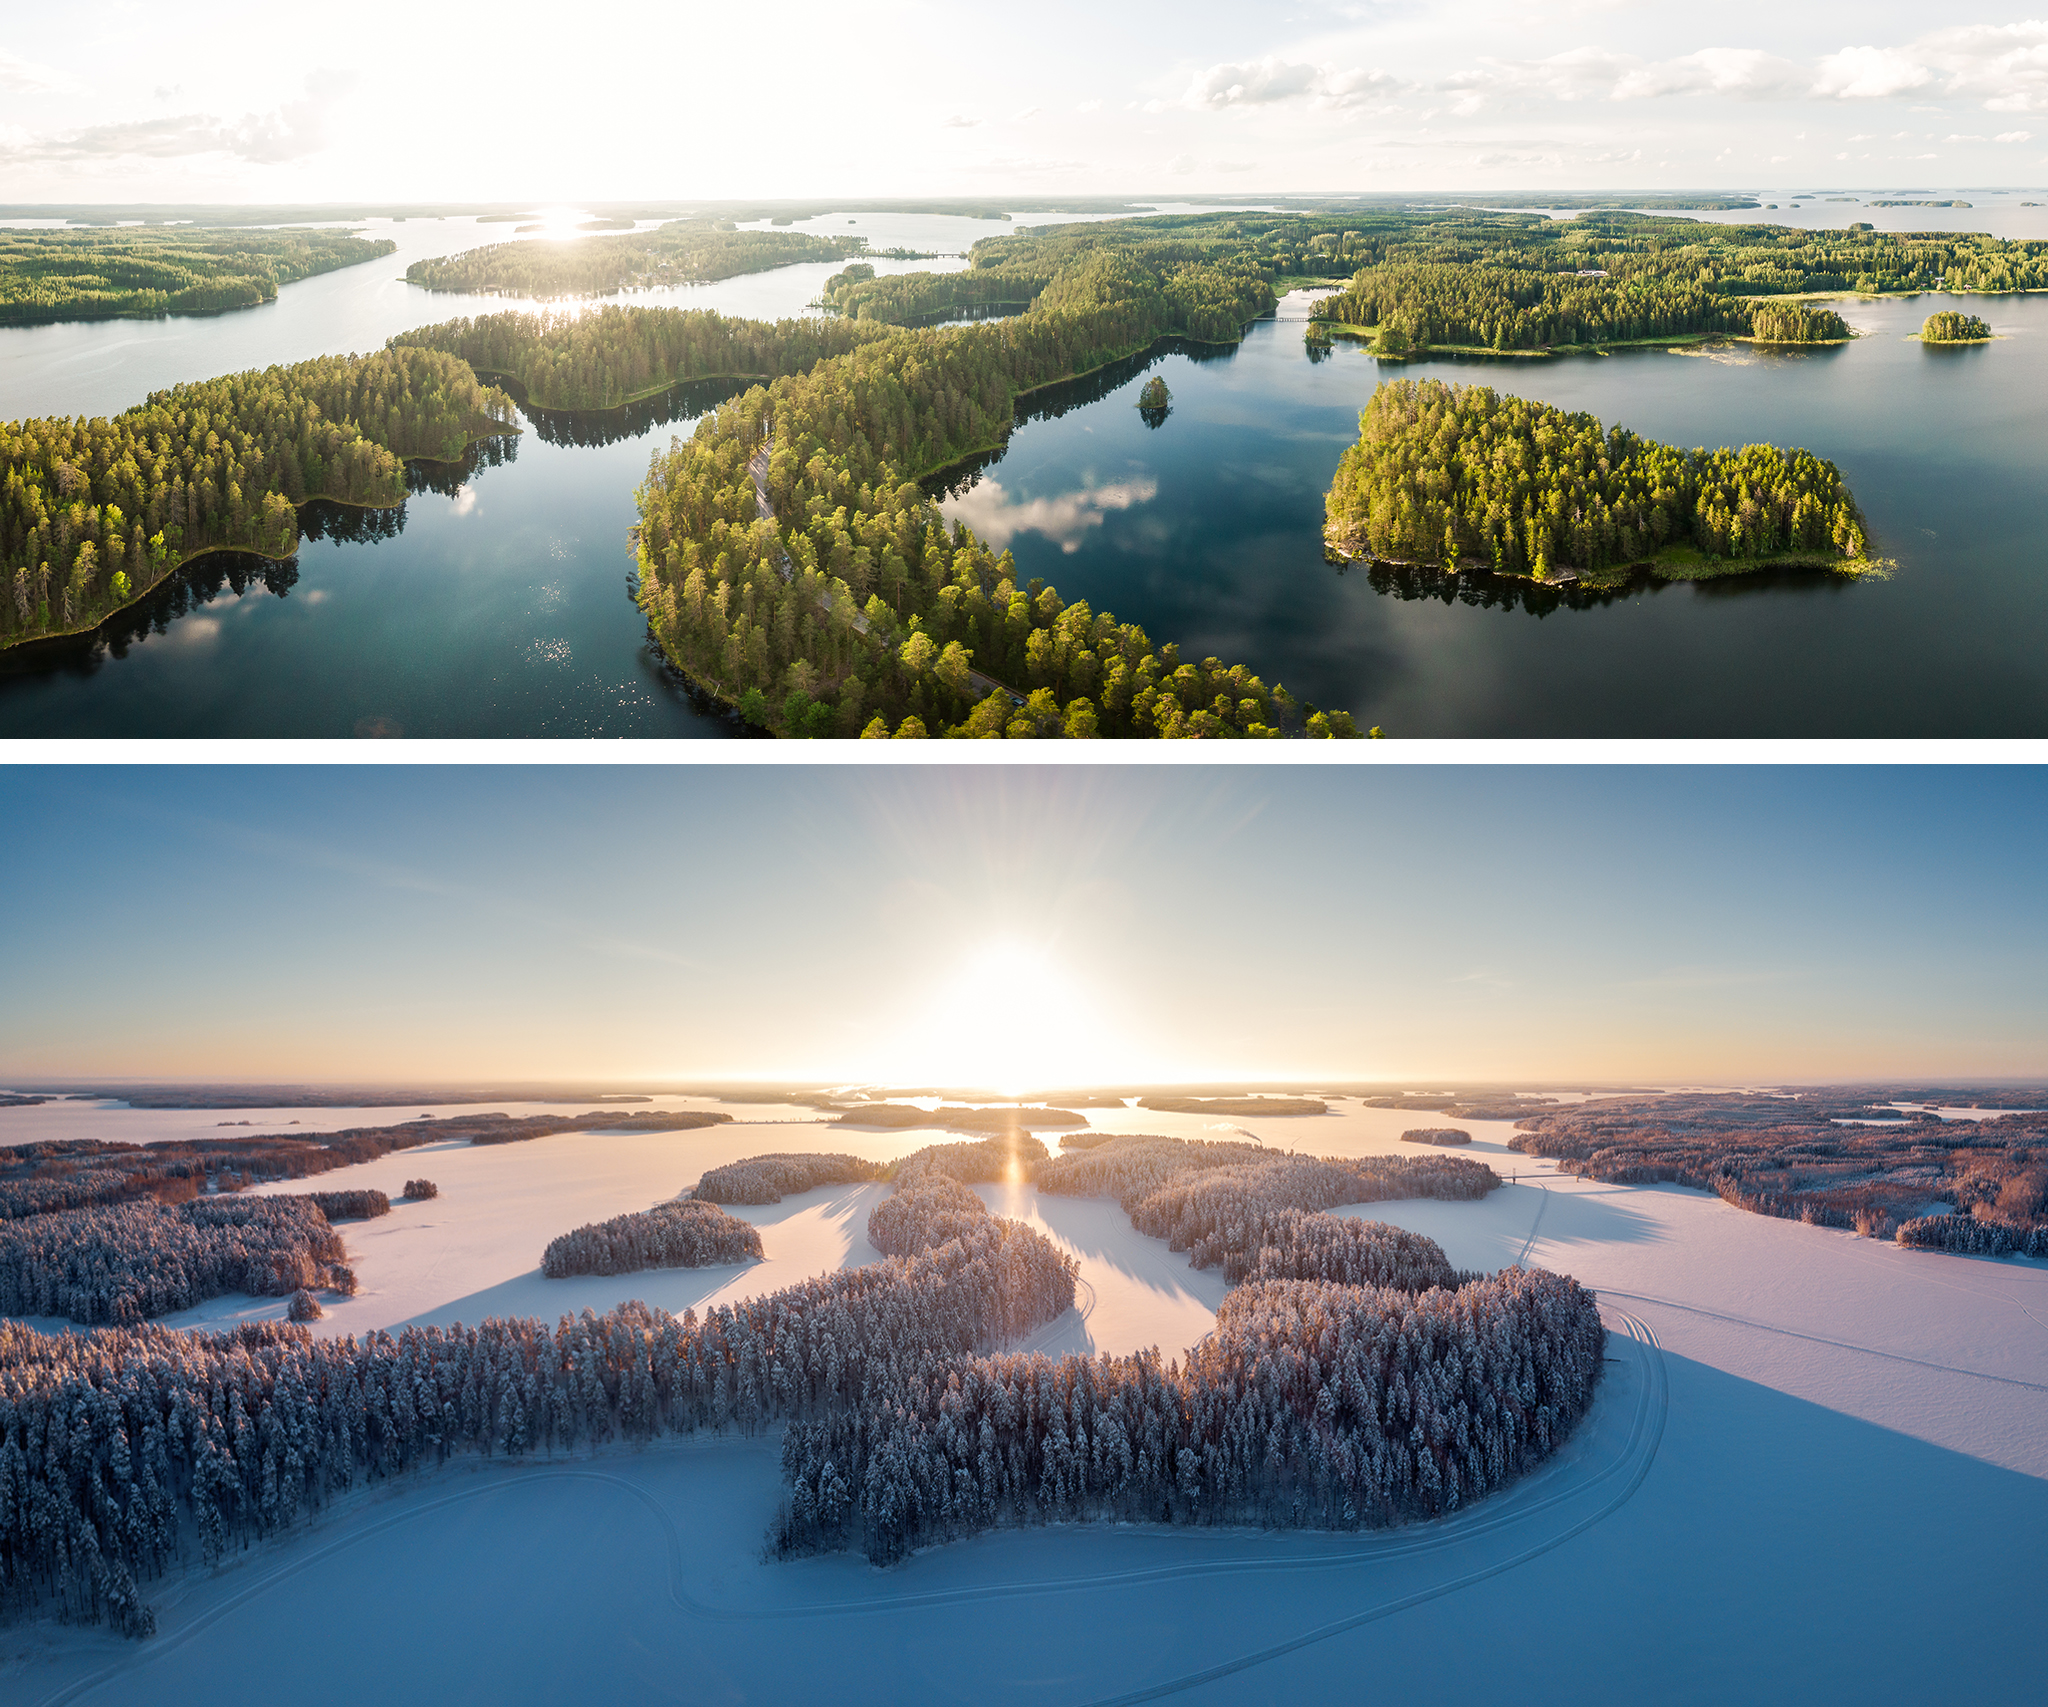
(1459, 477)
(145, 272)
(695, 251)
(1950, 327)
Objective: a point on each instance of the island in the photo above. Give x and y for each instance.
(150, 271)
(683, 251)
(1951, 327)
(95, 513)
(1457, 477)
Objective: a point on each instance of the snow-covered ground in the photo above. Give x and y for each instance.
(1818, 1470)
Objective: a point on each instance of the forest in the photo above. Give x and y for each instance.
(1791, 1155)
(146, 271)
(791, 565)
(684, 251)
(93, 513)
(1354, 1379)
(1520, 282)
(135, 1450)
(127, 1262)
(1466, 477)
(693, 1233)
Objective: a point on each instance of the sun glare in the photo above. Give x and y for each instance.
(1011, 1019)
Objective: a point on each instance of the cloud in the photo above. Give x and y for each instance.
(956, 122)
(1266, 82)
(1027, 113)
(1747, 73)
(1065, 519)
(289, 132)
(1871, 73)
(2014, 136)
(25, 77)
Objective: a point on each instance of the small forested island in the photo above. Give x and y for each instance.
(155, 270)
(1463, 477)
(684, 251)
(1154, 400)
(1951, 327)
(94, 513)
(1797, 323)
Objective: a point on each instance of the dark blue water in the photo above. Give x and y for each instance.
(1206, 529)
(497, 602)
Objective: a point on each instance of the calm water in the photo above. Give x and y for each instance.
(1207, 530)
(498, 603)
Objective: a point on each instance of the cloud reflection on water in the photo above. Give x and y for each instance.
(998, 518)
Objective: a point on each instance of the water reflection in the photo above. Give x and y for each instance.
(594, 427)
(1064, 518)
(449, 478)
(229, 575)
(1483, 590)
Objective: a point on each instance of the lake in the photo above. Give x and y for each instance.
(500, 607)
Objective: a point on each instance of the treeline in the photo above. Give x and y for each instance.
(606, 359)
(1506, 281)
(149, 271)
(95, 512)
(131, 1261)
(684, 251)
(769, 1179)
(1309, 1405)
(128, 1452)
(1464, 476)
(1815, 1156)
(73, 1173)
(921, 299)
(689, 1234)
(360, 1205)
(1439, 1135)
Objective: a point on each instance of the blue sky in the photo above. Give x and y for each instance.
(112, 99)
(392, 923)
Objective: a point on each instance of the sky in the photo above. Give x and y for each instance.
(1023, 926)
(227, 100)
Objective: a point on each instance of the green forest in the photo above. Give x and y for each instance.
(138, 271)
(684, 251)
(1949, 327)
(93, 513)
(1514, 282)
(1464, 476)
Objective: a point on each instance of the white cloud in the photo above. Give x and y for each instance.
(1870, 73)
(1027, 113)
(289, 132)
(2014, 136)
(956, 122)
(1266, 82)
(1745, 72)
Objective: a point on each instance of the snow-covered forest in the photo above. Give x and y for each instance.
(127, 1262)
(1354, 1379)
(127, 1451)
(689, 1234)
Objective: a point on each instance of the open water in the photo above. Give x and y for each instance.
(500, 606)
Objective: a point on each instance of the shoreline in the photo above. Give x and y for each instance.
(205, 551)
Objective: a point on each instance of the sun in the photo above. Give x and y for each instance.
(1007, 1016)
